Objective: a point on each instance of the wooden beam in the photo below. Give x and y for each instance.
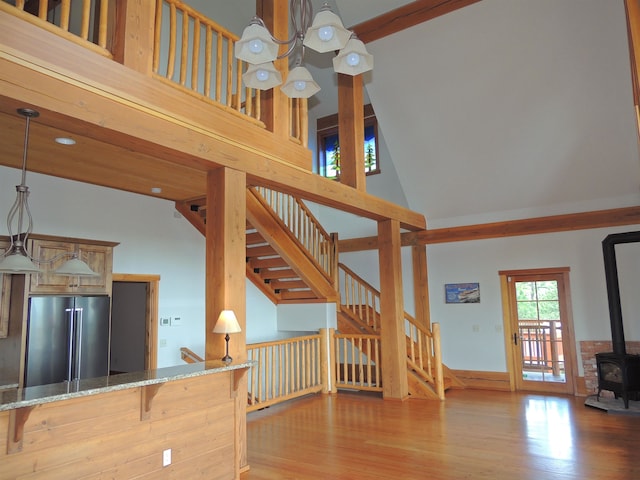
(395, 382)
(225, 283)
(406, 16)
(532, 226)
(351, 131)
(421, 285)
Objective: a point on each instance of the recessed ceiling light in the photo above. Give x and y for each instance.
(156, 190)
(65, 141)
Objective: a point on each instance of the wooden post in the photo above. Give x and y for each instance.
(437, 354)
(394, 354)
(133, 36)
(275, 104)
(351, 131)
(225, 279)
(421, 285)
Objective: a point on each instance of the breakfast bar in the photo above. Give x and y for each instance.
(177, 421)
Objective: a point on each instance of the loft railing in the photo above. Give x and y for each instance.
(359, 297)
(299, 220)
(196, 53)
(190, 51)
(86, 23)
(286, 369)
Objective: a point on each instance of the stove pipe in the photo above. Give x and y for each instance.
(613, 287)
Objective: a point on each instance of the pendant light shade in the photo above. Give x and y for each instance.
(300, 84)
(75, 267)
(262, 77)
(353, 59)
(17, 261)
(326, 33)
(256, 44)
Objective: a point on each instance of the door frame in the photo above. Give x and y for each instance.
(510, 322)
(151, 316)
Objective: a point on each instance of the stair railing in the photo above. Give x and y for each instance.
(359, 297)
(303, 225)
(424, 355)
(357, 362)
(189, 356)
(286, 369)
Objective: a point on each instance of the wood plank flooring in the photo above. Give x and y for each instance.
(474, 434)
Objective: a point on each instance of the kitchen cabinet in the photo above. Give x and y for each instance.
(54, 252)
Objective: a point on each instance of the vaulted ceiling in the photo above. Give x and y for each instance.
(496, 110)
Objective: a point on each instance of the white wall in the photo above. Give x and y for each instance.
(153, 239)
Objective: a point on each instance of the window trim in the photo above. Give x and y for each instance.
(328, 126)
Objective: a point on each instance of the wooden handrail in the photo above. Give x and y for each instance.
(303, 225)
(190, 356)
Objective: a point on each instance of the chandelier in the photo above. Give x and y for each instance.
(17, 259)
(259, 48)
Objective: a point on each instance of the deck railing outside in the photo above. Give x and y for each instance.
(303, 225)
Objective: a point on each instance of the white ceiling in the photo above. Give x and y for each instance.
(504, 109)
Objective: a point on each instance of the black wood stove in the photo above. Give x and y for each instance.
(618, 371)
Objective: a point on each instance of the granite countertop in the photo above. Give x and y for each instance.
(31, 396)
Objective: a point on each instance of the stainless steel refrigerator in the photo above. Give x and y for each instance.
(67, 339)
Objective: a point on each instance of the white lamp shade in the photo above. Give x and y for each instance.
(76, 268)
(17, 263)
(227, 323)
(262, 77)
(256, 45)
(326, 33)
(300, 84)
(353, 59)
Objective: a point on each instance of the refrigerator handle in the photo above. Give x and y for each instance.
(78, 343)
(70, 341)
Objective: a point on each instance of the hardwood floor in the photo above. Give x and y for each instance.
(474, 434)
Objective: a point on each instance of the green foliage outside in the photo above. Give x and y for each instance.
(538, 300)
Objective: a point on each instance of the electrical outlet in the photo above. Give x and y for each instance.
(166, 457)
(163, 342)
(476, 328)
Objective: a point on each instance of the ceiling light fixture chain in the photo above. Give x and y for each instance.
(326, 33)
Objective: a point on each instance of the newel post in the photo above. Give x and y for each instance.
(133, 37)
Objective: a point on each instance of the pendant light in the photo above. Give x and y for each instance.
(326, 33)
(17, 259)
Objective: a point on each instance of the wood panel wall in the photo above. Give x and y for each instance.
(105, 435)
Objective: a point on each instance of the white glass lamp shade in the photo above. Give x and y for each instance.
(16, 261)
(326, 33)
(262, 77)
(353, 59)
(300, 84)
(256, 45)
(75, 268)
(227, 323)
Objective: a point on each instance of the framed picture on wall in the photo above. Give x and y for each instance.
(462, 292)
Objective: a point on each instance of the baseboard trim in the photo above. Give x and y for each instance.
(484, 380)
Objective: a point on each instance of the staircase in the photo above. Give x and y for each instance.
(291, 259)
(360, 313)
